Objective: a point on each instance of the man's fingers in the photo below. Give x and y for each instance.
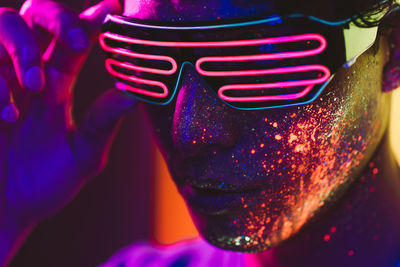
(69, 43)
(8, 110)
(20, 43)
(92, 140)
(72, 34)
(65, 25)
(94, 16)
(59, 21)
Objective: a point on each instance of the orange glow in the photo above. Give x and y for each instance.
(395, 124)
(172, 221)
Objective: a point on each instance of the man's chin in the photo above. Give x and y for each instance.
(235, 244)
(230, 232)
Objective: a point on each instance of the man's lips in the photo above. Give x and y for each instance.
(215, 200)
(216, 185)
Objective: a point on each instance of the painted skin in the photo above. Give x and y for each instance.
(252, 179)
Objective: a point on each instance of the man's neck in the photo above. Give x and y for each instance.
(362, 229)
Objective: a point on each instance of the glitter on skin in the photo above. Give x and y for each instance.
(292, 138)
(327, 237)
(296, 179)
(318, 186)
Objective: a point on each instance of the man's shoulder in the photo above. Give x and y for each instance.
(191, 253)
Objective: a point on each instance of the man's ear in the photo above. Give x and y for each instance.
(391, 74)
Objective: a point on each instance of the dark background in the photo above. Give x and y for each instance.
(112, 210)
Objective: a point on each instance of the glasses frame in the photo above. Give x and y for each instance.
(356, 41)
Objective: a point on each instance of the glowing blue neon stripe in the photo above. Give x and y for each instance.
(326, 22)
(174, 92)
(270, 20)
(288, 105)
(259, 108)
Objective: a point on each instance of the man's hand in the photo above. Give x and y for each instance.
(44, 156)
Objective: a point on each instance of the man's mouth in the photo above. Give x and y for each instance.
(216, 200)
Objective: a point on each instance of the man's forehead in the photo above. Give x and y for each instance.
(190, 10)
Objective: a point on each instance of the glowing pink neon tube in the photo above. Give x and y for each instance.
(273, 40)
(281, 70)
(134, 67)
(263, 98)
(124, 52)
(274, 56)
(137, 80)
(308, 83)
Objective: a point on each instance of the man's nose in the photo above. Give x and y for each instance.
(201, 120)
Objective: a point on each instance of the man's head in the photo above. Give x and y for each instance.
(252, 179)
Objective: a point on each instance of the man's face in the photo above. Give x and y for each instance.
(253, 178)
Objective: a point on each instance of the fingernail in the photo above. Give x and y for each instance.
(78, 40)
(10, 113)
(34, 78)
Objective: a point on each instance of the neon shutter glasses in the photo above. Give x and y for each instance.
(268, 63)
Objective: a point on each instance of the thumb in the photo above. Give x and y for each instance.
(92, 140)
(94, 16)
